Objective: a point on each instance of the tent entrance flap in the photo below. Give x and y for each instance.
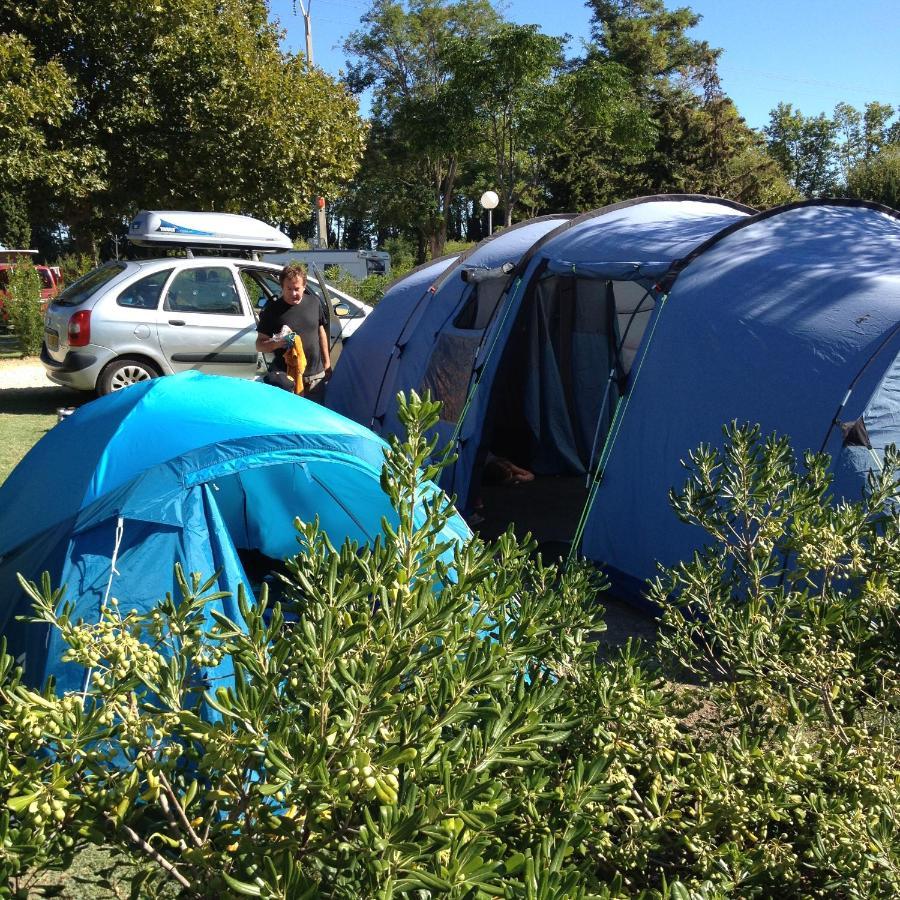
(571, 336)
(259, 505)
(564, 369)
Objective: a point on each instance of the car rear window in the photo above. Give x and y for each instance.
(79, 291)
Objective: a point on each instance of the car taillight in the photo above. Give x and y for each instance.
(80, 329)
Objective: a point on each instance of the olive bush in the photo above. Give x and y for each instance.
(422, 719)
(791, 617)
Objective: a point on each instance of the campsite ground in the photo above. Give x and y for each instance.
(28, 404)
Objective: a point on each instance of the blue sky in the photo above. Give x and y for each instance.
(811, 53)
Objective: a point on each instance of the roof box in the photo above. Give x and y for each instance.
(205, 229)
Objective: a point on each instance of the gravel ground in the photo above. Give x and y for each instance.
(22, 373)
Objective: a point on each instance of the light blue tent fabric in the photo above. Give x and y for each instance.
(438, 355)
(188, 468)
(358, 381)
(773, 324)
(394, 355)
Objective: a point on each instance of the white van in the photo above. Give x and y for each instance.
(358, 263)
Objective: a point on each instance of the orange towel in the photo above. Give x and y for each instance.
(295, 359)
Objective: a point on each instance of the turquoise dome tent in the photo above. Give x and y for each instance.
(192, 469)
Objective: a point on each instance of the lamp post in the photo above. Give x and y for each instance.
(489, 201)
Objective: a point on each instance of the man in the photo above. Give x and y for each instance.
(297, 315)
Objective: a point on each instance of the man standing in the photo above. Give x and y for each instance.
(297, 315)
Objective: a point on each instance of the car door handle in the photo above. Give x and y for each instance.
(176, 321)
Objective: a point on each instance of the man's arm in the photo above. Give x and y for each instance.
(265, 343)
(326, 350)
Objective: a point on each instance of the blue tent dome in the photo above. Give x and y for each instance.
(625, 337)
(189, 468)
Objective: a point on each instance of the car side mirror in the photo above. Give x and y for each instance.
(261, 302)
(342, 310)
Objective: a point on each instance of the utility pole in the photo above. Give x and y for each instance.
(305, 9)
(321, 221)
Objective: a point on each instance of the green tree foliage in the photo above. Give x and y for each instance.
(422, 723)
(848, 154)
(696, 141)
(35, 96)
(806, 149)
(508, 79)
(15, 227)
(596, 155)
(21, 307)
(188, 104)
(423, 126)
(877, 178)
(649, 41)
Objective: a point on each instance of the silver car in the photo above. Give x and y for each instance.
(129, 321)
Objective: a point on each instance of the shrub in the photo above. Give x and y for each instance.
(428, 721)
(22, 305)
(370, 289)
(792, 617)
(74, 265)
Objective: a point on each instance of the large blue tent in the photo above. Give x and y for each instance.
(192, 469)
(625, 337)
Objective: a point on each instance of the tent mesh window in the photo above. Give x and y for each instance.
(450, 367)
(449, 370)
(480, 305)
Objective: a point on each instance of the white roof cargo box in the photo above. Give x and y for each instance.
(205, 229)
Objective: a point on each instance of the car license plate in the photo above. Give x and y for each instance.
(52, 338)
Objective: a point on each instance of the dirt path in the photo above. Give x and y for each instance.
(23, 373)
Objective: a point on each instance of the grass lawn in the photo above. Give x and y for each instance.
(26, 413)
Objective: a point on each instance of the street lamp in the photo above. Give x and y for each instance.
(489, 201)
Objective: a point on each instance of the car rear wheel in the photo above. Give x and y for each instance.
(122, 373)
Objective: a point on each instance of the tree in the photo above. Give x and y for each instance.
(877, 178)
(861, 135)
(806, 149)
(34, 99)
(507, 77)
(424, 126)
(603, 132)
(695, 140)
(649, 41)
(188, 103)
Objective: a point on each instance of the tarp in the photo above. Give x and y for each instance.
(189, 468)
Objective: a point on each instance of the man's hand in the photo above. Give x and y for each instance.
(265, 343)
